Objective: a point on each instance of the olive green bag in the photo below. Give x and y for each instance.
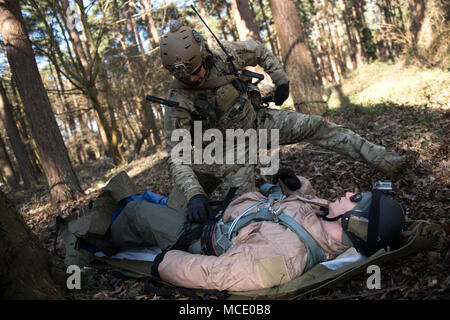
(140, 223)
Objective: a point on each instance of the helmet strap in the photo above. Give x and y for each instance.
(374, 220)
(346, 239)
(325, 213)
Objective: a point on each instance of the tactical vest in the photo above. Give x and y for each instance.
(223, 101)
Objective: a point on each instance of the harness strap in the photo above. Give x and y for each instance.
(315, 252)
(374, 220)
(222, 242)
(210, 84)
(271, 191)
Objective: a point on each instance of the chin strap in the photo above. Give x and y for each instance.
(325, 213)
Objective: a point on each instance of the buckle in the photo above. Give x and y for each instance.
(386, 185)
(274, 212)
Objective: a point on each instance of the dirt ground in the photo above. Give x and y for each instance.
(425, 191)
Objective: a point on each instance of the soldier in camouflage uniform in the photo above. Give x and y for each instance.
(206, 87)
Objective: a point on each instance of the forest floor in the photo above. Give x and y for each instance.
(402, 108)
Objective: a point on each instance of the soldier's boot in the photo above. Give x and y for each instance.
(394, 164)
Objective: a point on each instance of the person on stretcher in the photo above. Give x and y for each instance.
(261, 239)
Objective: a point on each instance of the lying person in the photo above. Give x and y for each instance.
(260, 241)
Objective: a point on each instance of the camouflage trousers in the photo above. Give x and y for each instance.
(293, 128)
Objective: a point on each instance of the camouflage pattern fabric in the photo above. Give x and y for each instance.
(296, 127)
(214, 105)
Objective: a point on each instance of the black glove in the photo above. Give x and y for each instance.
(281, 94)
(288, 177)
(198, 209)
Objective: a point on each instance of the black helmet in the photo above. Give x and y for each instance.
(374, 223)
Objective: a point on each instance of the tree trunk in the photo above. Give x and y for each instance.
(135, 54)
(150, 121)
(205, 16)
(366, 34)
(245, 21)
(321, 19)
(297, 57)
(132, 20)
(61, 91)
(55, 161)
(109, 130)
(223, 23)
(151, 26)
(417, 8)
(360, 54)
(113, 147)
(19, 149)
(26, 270)
(348, 30)
(337, 39)
(24, 129)
(421, 23)
(248, 30)
(75, 37)
(386, 19)
(230, 20)
(6, 167)
(136, 67)
(273, 44)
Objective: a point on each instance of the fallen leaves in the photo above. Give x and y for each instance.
(425, 191)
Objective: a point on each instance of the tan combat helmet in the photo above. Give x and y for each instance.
(182, 50)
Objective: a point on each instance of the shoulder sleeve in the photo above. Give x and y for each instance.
(252, 53)
(177, 127)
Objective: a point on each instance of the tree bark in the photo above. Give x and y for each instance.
(273, 44)
(386, 42)
(151, 26)
(223, 23)
(248, 30)
(245, 21)
(365, 33)
(135, 54)
(61, 91)
(205, 16)
(336, 37)
(320, 19)
(77, 43)
(24, 129)
(6, 167)
(55, 161)
(132, 20)
(348, 30)
(26, 270)
(231, 20)
(150, 121)
(421, 26)
(297, 57)
(360, 54)
(19, 149)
